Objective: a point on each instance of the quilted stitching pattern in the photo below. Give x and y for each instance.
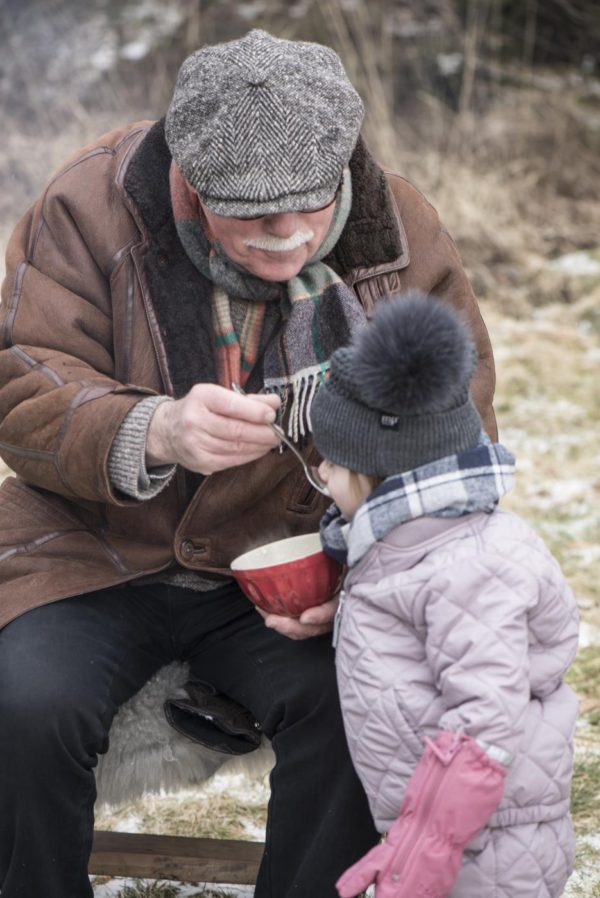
(528, 861)
(473, 631)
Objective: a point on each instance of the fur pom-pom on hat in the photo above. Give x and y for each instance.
(398, 396)
(416, 359)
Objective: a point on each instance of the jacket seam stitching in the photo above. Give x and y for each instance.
(111, 552)
(35, 544)
(129, 136)
(97, 151)
(91, 154)
(7, 337)
(129, 323)
(120, 257)
(23, 452)
(153, 325)
(78, 400)
(34, 240)
(33, 365)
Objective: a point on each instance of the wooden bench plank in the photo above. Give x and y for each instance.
(180, 858)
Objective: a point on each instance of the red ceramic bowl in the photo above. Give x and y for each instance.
(288, 576)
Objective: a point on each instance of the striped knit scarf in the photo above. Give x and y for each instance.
(319, 311)
(447, 488)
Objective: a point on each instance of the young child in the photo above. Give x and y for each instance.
(455, 628)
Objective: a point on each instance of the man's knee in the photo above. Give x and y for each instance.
(43, 700)
(35, 712)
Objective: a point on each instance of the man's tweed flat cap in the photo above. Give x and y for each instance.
(262, 125)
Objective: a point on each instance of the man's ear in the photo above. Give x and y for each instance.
(203, 220)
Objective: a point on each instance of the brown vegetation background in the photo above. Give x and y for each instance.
(492, 108)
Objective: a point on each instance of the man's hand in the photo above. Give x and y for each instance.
(211, 429)
(312, 622)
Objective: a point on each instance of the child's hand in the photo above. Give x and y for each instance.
(367, 870)
(450, 796)
(312, 622)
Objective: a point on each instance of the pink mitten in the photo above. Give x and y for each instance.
(451, 795)
(365, 871)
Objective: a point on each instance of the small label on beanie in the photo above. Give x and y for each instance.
(389, 422)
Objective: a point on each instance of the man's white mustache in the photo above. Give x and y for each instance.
(281, 244)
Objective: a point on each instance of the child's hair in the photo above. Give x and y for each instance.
(372, 479)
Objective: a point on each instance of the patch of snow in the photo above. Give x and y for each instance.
(586, 878)
(104, 58)
(587, 555)
(253, 832)
(540, 407)
(111, 889)
(238, 785)
(513, 437)
(135, 50)
(552, 493)
(578, 264)
(566, 530)
(593, 355)
(449, 63)
(589, 635)
(129, 824)
(593, 840)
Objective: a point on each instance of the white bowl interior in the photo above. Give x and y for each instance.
(280, 552)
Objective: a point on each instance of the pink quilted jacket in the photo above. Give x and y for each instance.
(467, 625)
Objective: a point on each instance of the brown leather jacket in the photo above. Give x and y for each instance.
(101, 307)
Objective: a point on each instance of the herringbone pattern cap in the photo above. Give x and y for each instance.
(261, 125)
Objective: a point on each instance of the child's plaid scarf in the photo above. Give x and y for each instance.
(319, 311)
(447, 488)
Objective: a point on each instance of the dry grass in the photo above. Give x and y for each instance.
(517, 186)
(138, 888)
(156, 889)
(232, 808)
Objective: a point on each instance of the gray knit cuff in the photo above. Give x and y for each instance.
(127, 460)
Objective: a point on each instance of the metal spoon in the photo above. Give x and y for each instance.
(312, 474)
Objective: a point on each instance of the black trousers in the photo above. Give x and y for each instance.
(65, 669)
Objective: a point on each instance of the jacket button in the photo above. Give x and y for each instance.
(187, 549)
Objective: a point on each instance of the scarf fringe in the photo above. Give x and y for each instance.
(297, 392)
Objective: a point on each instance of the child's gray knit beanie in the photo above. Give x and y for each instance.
(398, 396)
(261, 125)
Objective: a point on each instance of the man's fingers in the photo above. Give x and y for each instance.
(207, 442)
(209, 463)
(252, 408)
(293, 628)
(236, 432)
(313, 622)
(211, 429)
(270, 399)
(321, 615)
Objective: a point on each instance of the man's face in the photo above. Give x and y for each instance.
(273, 247)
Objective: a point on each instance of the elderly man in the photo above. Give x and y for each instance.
(241, 239)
